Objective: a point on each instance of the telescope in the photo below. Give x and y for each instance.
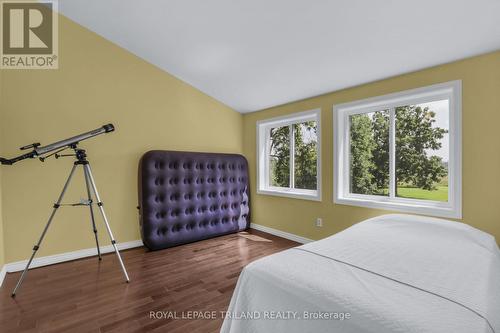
(43, 152)
(63, 144)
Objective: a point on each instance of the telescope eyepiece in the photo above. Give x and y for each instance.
(33, 145)
(109, 128)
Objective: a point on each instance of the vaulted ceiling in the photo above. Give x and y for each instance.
(256, 54)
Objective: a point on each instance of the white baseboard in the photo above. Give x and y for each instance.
(3, 271)
(58, 258)
(282, 234)
(68, 256)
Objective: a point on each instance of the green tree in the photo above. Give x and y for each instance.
(305, 156)
(380, 130)
(362, 159)
(415, 136)
(280, 156)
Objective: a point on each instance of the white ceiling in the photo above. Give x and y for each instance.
(255, 54)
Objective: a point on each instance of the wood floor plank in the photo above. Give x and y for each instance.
(90, 296)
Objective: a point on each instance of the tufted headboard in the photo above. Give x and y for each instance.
(187, 196)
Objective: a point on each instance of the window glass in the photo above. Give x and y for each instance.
(306, 155)
(279, 156)
(422, 151)
(369, 153)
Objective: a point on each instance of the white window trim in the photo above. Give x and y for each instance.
(263, 129)
(453, 208)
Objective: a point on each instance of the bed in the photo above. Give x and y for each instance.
(393, 273)
(189, 196)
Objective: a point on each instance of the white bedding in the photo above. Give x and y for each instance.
(394, 273)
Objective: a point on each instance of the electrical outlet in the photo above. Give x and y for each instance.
(319, 222)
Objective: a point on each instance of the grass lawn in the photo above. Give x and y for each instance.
(440, 194)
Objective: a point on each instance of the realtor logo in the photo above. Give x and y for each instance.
(29, 35)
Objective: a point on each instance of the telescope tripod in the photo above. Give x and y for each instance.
(81, 159)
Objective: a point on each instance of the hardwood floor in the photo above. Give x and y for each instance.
(90, 296)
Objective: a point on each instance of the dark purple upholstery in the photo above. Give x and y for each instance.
(186, 196)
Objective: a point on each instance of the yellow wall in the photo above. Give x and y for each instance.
(97, 82)
(481, 150)
(2, 236)
(2, 242)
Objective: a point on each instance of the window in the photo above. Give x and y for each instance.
(288, 162)
(401, 151)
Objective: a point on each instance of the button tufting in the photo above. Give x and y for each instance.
(189, 211)
(159, 198)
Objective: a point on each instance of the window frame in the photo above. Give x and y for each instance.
(453, 208)
(263, 128)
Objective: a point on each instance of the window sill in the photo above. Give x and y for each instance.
(295, 194)
(431, 208)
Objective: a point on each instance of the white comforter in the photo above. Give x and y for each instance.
(394, 273)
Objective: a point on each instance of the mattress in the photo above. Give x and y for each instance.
(394, 273)
(189, 196)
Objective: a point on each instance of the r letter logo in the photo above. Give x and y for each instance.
(29, 35)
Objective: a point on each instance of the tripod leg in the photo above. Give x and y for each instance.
(101, 209)
(37, 246)
(92, 213)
